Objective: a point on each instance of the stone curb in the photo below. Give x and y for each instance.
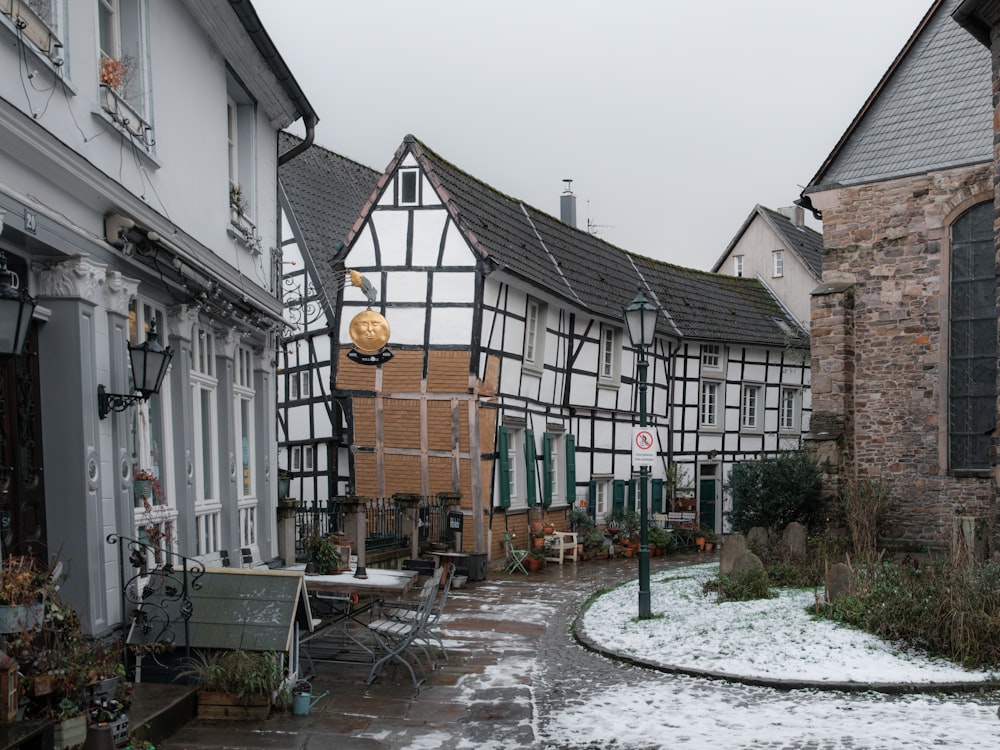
(889, 688)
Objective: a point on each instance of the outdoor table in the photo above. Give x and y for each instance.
(378, 585)
(447, 558)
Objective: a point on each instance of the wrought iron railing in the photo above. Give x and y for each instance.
(155, 600)
(383, 522)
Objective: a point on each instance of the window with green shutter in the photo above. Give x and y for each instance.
(569, 449)
(530, 490)
(656, 497)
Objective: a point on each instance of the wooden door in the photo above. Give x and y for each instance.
(22, 490)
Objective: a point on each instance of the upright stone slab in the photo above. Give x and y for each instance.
(746, 562)
(839, 582)
(735, 546)
(793, 540)
(758, 539)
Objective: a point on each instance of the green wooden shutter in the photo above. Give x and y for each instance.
(569, 448)
(592, 500)
(633, 494)
(529, 468)
(546, 469)
(657, 498)
(504, 467)
(618, 495)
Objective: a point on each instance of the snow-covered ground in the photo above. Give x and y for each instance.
(774, 639)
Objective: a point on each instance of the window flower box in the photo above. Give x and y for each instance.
(125, 115)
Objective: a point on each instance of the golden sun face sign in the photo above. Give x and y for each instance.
(370, 333)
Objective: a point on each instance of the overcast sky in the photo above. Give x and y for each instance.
(673, 119)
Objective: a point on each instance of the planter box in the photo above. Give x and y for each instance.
(70, 732)
(230, 707)
(17, 618)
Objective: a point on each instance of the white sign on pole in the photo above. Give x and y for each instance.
(643, 446)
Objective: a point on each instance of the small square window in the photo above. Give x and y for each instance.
(711, 356)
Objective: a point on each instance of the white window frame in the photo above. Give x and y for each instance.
(295, 462)
(609, 350)
(752, 407)
(710, 404)
(711, 356)
(738, 265)
(123, 34)
(779, 264)
(535, 313)
(241, 117)
(557, 467)
(293, 386)
(517, 472)
(159, 437)
(305, 385)
(404, 176)
(244, 410)
(602, 498)
(205, 407)
(790, 410)
(308, 462)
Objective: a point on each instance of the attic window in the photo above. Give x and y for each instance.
(408, 186)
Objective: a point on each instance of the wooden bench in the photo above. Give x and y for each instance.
(682, 520)
(560, 545)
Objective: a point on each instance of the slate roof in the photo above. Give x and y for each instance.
(931, 110)
(326, 193)
(590, 273)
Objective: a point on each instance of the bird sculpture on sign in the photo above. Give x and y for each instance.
(369, 330)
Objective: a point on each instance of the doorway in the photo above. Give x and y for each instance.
(22, 489)
(708, 490)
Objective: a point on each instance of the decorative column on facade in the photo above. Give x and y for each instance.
(80, 350)
(409, 503)
(227, 340)
(356, 529)
(181, 321)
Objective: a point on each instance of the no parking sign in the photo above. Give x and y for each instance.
(643, 446)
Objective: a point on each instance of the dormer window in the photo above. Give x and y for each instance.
(409, 182)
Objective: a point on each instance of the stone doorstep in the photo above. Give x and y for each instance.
(158, 710)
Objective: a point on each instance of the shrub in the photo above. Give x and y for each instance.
(750, 584)
(774, 491)
(947, 610)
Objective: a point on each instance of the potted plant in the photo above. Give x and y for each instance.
(535, 560)
(324, 554)
(70, 728)
(538, 538)
(593, 542)
(658, 539)
(235, 684)
(24, 585)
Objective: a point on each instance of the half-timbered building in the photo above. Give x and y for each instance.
(512, 380)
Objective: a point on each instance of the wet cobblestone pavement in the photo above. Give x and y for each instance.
(515, 677)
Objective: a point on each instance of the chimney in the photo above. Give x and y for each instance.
(567, 205)
(796, 214)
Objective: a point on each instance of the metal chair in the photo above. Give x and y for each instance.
(396, 639)
(515, 557)
(406, 610)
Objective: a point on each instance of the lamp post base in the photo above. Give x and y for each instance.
(645, 610)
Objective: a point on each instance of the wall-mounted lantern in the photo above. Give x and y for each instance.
(149, 362)
(16, 309)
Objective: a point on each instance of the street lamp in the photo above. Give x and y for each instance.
(16, 308)
(149, 362)
(640, 318)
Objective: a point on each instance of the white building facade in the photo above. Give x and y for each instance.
(138, 185)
